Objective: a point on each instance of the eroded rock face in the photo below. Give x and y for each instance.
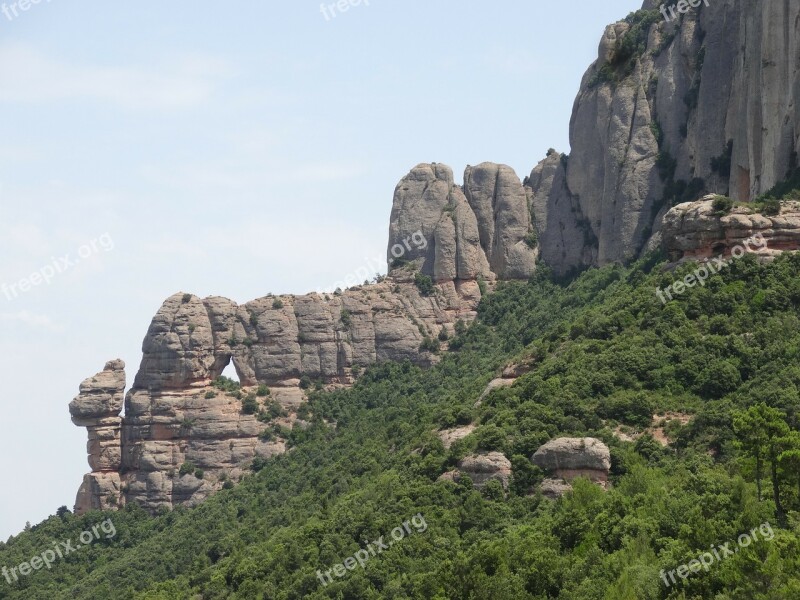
(720, 84)
(475, 231)
(97, 408)
(503, 212)
(695, 231)
(176, 425)
(568, 458)
(481, 469)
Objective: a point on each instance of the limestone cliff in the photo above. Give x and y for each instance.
(696, 231)
(181, 438)
(669, 111)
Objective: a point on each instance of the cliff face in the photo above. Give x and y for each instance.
(695, 231)
(668, 112)
(178, 426)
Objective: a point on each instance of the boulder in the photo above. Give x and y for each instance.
(567, 458)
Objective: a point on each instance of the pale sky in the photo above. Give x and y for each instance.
(231, 149)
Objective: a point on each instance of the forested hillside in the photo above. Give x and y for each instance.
(719, 363)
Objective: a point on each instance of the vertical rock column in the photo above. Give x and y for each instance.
(97, 408)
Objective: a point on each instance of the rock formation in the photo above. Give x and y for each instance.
(568, 458)
(481, 469)
(696, 231)
(668, 112)
(178, 426)
(97, 408)
(479, 231)
(637, 149)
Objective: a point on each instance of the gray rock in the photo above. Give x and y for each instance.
(705, 81)
(503, 214)
(484, 467)
(573, 455)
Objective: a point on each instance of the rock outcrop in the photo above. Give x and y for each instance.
(97, 408)
(695, 231)
(177, 426)
(481, 469)
(671, 110)
(481, 230)
(568, 458)
(637, 150)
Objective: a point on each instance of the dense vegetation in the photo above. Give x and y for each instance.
(607, 356)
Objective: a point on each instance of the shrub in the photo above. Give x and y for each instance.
(187, 298)
(666, 165)
(305, 382)
(258, 464)
(210, 395)
(629, 407)
(346, 318)
(263, 390)
(429, 345)
(199, 473)
(722, 164)
(532, 239)
(443, 337)
(250, 405)
(277, 303)
(226, 384)
(460, 327)
(424, 284)
(228, 485)
(304, 411)
(722, 204)
(248, 342)
(771, 207)
(482, 286)
(275, 410)
(186, 469)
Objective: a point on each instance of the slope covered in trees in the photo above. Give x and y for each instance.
(607, 356)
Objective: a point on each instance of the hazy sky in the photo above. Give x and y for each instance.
(233, 149)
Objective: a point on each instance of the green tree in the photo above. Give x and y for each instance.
(760, 429)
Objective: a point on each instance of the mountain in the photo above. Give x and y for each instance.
(647, 132)
(669, 111)
(567, 386)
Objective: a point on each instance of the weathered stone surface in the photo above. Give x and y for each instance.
(568, 458)
(554, 488)
(694, 231)
(482, 468)
(501, 206)
(101, 396)
(479, 230)
(719, 82)
(97, 408)
(450, 436)
(494, 384)
(99, 491)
